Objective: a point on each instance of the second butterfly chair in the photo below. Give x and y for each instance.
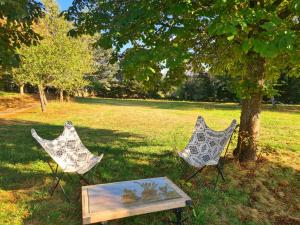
(205, 147)
(68, 152)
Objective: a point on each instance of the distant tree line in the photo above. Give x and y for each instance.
(196, 87)
(109, 82)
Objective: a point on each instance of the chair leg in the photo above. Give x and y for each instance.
(63, 190)
(194, 174)
(54, 186)
(221, 172)
(56, 182)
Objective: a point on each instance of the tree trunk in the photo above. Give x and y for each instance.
(250, 114)
(44, 97)
(68, 97)
(249, 128)
(273, 101)
(22, 89)
(43, 106)
(61, 95)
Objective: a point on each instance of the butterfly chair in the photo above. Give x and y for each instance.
(205, 147)
(69, 154)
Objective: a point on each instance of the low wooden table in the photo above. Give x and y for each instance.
(104, 202)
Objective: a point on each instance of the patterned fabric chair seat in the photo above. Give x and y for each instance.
(68, 151)
(206, 145)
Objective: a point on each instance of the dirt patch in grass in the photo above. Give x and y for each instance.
(17, 103)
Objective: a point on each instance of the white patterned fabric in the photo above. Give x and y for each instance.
(206, 145)
(68, 151)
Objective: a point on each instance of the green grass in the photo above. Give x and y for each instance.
(8, 94)
(139, 139)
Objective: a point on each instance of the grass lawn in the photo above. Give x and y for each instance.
(139, 140)
(8, 94)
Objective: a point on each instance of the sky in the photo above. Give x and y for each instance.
(64, 4)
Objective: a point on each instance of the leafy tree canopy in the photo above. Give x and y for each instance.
(59, 60)
(175, 35)
(16, 19)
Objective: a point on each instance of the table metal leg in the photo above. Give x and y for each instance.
(178, 214)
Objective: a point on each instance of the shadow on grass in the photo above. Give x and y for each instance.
(19, 149)
(23, 167)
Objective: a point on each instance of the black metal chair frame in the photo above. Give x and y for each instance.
(58, 177)
(220, 165)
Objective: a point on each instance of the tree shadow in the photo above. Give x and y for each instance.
(20, 147)
(24, 172)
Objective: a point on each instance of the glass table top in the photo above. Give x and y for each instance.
(129, 194)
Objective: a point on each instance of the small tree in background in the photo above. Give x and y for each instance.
(37, 66)
(75, 61)
(58, 61)
(20, 78)
(104, 77)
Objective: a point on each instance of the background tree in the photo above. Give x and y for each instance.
(75, 60)
(105, 76)
(37, 65)
(289, 89)
(20, 78)
(204, 87)
(252, 40)
(16, 19)
(58, 60)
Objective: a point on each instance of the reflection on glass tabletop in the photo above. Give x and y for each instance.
(130, 193)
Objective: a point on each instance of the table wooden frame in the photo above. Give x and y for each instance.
(106, 215)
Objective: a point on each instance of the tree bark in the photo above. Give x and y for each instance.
(273, 101)
(43, 106)
(61, 95)
(249, 128)
(44, 97)
(250, 114)
(68, 97)
(22, 89)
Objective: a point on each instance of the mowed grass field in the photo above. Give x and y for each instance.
(139, 139)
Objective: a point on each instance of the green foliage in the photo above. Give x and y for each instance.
(58, 61)
(225, 36)
(269, 29)
(202, 87)
(74, 62)
(104, 78)
(16, 20)
(289, 89)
